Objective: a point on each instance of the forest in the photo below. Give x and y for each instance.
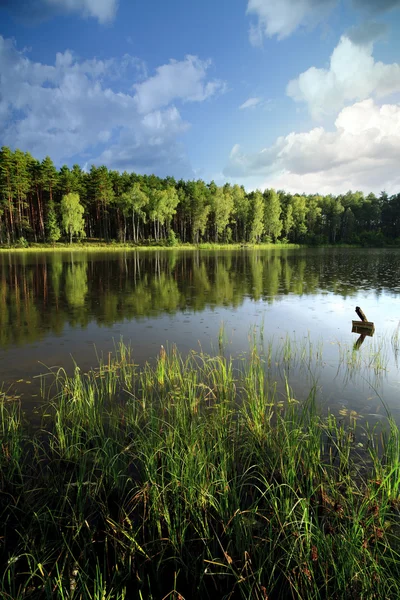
(40, 203)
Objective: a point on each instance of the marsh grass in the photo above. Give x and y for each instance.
(98, 246)
(371, 360)
(193, 478)
(395, 341)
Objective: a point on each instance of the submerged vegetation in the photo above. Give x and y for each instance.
(39, 203)
(194, 477)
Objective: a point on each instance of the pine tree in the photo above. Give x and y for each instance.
(7, 190)
(52, 228)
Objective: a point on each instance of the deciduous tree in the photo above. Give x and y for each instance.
(72, 216)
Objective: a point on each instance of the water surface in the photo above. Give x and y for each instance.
(60, 307)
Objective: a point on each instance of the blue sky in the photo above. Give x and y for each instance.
(301, 95)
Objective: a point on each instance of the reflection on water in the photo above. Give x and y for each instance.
(54, 305)
(43, 293)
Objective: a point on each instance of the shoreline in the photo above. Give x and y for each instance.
(97, 247)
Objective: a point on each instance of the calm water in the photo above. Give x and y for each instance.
(58, 306)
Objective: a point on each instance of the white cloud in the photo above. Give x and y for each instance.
(33, 11)
(73, 107)
(363, 152)
(353, 74)
(251, 103)
(283, 17)
(151, 148)
(178, 80)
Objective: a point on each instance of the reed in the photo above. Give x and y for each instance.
(192, 477)
(128, 247)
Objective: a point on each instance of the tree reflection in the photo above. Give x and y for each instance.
(40, 293)
(76, 284)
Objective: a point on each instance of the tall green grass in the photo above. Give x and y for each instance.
(99, 246)
(194, 478)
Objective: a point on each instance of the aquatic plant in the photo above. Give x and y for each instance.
(192, 477)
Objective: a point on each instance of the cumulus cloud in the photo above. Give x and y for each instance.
(154, 148)
(353, 74)
(102, 10)
(284, 17)
(281, 18)
(184, 80)
(250, 103)
(363, 152)
(75, 107)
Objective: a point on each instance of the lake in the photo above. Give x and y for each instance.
(61, 307)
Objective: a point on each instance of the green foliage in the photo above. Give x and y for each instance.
(202, 481)
(256, 213)
(172, 239)
(52, 228)
(374, 239)
(222, 206)
(22, 243)
(272, 214)
(72, 215)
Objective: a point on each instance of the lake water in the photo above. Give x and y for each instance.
(56, 307)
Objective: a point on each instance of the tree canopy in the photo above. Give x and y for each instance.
(72, 215)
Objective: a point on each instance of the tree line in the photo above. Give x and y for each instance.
(40, 203)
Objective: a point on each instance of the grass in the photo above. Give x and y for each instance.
(117, 246)
(193, 478)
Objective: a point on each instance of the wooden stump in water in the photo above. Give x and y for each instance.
(361, 314)
(363, 327)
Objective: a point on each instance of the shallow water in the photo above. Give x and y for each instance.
(60, 307)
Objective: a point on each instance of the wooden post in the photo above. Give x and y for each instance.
(361, 314)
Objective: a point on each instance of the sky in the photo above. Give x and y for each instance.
(300, 95)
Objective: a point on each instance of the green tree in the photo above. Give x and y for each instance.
(348, 225)
(240, 212)
(49, 176)
(163, 205)
(7, 190)
(256, 216)
(332, 209)
(37, 204)
(272, 214)
(102, 192)
(288, 220)
(21, 189)
(222, 207)
(313, 213)
(52, 228)
(299, 208)
(132, 203)
(72, 215)
(200, 208)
